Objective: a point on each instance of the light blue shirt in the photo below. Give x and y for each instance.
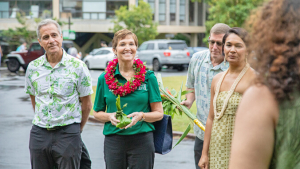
(199, 77)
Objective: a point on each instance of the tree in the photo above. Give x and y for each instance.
(138, 20)
(231, 12)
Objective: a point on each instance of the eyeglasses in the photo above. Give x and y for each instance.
(212, 42)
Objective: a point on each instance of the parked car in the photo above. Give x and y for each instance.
(196, 49)
(15, 60)
(99, 59)
(162, 52)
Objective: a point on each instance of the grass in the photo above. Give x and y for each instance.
(179, 123)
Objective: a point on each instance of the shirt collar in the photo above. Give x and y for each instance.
(117, 72)
(221, 66)
(63, 61)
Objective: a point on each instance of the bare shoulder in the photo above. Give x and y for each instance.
(218, 76)
(260, 97)
(251, 73)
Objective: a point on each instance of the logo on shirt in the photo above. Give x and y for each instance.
(142, 87)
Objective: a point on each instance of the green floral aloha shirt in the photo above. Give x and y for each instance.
(57, 90)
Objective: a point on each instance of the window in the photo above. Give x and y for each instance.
(112, 5)
(162, 10)
(172, 10)
(70, 8)
(35, 47)
(162, 46)
(152, 5)
(99, 52)
(143, 47)
(191, 11)
(105, 52)
(177, 46)
(150, 46)
(182, 11)
(31, 8)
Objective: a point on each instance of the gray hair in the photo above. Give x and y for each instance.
(47, 22)
(219, 28)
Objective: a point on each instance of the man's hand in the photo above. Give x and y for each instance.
(187, 103)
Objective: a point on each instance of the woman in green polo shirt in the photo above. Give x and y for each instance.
(131, 146)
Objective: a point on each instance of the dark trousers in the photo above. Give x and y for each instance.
(133, 151)
(60, 148)
(198, 151)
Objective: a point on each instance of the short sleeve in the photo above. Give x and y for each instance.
(154, 93)
(100, 104)
(190, 75)
(29, 89)
(84, 86)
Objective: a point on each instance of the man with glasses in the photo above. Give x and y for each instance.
(204, 65)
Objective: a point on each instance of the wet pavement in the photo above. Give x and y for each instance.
(15, 123)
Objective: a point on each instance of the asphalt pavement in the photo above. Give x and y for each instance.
(15, 123)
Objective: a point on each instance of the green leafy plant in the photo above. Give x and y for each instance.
(171, 104)
(124, 120)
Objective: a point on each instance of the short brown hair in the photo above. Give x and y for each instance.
(219, 28)
(121, 34)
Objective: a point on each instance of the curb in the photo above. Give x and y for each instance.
(175, 133)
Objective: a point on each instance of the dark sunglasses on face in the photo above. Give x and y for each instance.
(212, 42)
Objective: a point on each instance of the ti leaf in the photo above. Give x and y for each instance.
(186, 92)
(183, 135)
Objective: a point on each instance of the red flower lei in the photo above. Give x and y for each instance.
(130, 86)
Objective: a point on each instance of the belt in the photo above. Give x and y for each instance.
(55, 128)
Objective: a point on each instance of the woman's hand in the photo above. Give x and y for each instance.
(203, 162)
(113, 119)
(136, 116)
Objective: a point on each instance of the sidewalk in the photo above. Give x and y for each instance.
(175, 133)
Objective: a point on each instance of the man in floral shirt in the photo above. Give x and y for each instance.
(203, 66)
(59, 86)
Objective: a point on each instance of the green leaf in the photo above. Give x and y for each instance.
(159, 81)
(186, 92)
(179, 93)
(183, 135)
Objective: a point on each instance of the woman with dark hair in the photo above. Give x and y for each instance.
(267, 133)
(227, 89)
(129, 146)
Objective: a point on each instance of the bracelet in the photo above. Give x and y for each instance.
(143, 118)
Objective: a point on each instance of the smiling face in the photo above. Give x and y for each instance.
(126, 49)
(51, 39)
(235, 49)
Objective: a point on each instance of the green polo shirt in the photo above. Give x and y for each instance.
(137, 101)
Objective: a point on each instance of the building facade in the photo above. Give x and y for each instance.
(91, 19)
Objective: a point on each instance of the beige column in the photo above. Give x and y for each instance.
(194, 40)
(55, 8)
(130, 3)
(187, 13)
(196, 13)
(177, 12)
(203, 12)
(156, 12)
(167, 12)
